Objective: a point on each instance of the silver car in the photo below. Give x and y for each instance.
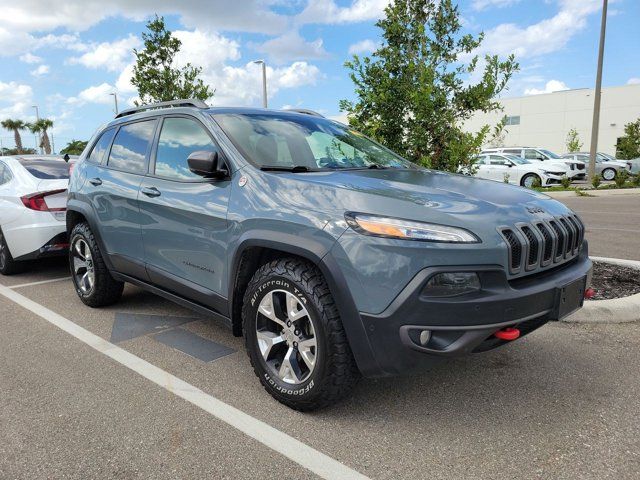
(605, 167)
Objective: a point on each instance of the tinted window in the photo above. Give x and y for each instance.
(101, 147)
(129, 148)
(46, 169)
(179, 138)
(533, 154)
(5, 174)
(497, 160)
(513, 151)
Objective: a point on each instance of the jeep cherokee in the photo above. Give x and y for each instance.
(332, 256)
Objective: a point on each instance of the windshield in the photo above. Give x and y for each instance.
(606, 157)
(286, 141)
(550, 154)
(517, 160)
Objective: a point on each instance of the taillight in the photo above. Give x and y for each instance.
(37, 201)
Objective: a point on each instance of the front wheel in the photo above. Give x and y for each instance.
(530, 179)
(294, 336)
(609, 174)
(94, 284)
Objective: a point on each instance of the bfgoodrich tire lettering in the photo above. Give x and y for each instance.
(93, 283)
(299, 292)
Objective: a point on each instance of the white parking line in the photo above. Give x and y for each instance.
(22, 285)
(302, 454)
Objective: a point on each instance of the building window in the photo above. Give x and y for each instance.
(512, 120)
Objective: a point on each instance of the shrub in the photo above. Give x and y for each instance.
(565, 181)
(635, 181)
(596, 181)
(621, 178)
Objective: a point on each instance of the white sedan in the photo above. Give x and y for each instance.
(33, 204)
(518, 171)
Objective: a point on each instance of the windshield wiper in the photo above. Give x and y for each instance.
(282, 168)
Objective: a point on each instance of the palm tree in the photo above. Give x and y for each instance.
(15, 126)
(41, 126)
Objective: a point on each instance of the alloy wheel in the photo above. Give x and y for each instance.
(286, 337)
(82, 264)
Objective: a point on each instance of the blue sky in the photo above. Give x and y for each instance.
(67, 58)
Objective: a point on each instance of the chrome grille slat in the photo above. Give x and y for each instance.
(543, 243)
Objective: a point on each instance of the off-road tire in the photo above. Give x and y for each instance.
(335, 373)
(8, 266)
(106, 291)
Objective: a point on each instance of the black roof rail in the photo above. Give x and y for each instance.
(305, 111)
(185, 102)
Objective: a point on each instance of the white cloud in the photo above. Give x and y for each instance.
(95, 94)
(550, 87)
(548, 35)
(40, 71)
(634, 81)
(112, 56)
(479, 5)
(327, 11)
(291, 46)
(16, 100)
(208, 50)
(30, 58)
(363, 46)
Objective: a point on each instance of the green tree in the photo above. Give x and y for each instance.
(416, 90)
(16, 126)
(42, 126)
(573, 142)
(154, 74)
(629, 145)
(74, 147)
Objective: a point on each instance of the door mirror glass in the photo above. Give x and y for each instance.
(207, 164)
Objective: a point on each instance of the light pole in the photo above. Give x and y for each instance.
(264, 81)
(596, 101)
(115, 100)
(39, 140)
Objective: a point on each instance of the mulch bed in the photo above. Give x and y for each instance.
(614, 281)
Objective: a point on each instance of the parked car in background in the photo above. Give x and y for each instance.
(33, 204)
(577, 169)
(605, 167)
(635, 165)
(330, 254)
(518, 171)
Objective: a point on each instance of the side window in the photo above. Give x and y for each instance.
(101, 147)
(497, 160)
(129, 148)
(5, 174)
(480, 160)
(514, 151)
(531, 154)
(179, 138)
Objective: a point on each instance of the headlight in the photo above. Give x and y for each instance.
(450, 284)
(407, 229)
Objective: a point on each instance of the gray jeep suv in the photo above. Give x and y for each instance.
(330, 254)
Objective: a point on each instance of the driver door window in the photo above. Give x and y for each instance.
(531, 154)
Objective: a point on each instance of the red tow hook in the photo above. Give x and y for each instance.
(589, 293)
(507, 334)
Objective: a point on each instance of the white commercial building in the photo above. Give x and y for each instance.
(544, 120)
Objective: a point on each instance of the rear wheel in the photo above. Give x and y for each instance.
(8, 266)
(529, 180)
(294, 336)
(609, 174)
(94, 284)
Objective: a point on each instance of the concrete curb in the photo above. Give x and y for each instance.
(616, 310)
(594, 193)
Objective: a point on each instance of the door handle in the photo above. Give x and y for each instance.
(150, 191)
(95, 182)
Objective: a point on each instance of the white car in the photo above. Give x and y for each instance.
(606, 165)
(518, 171)
(577, 169)
(33, 204)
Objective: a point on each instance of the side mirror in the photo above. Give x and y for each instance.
(207, 164)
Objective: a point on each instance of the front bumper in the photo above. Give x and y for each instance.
(467, 324)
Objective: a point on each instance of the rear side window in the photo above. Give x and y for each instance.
(130, 146)
(513, 151)
(46, 169)
(5, 174)
(179, 138)
(101, 148)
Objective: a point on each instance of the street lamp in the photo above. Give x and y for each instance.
(115, 100)
(264, 81)
(38, 139)
(596, 102)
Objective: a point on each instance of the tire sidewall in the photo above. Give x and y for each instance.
(305, 390)
(607, 171)
(76, 234)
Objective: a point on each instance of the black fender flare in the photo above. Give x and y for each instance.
(87, 213)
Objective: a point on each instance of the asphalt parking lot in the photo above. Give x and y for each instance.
(174, 395)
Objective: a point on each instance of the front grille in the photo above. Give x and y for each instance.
(581, 166)
(543, 243)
